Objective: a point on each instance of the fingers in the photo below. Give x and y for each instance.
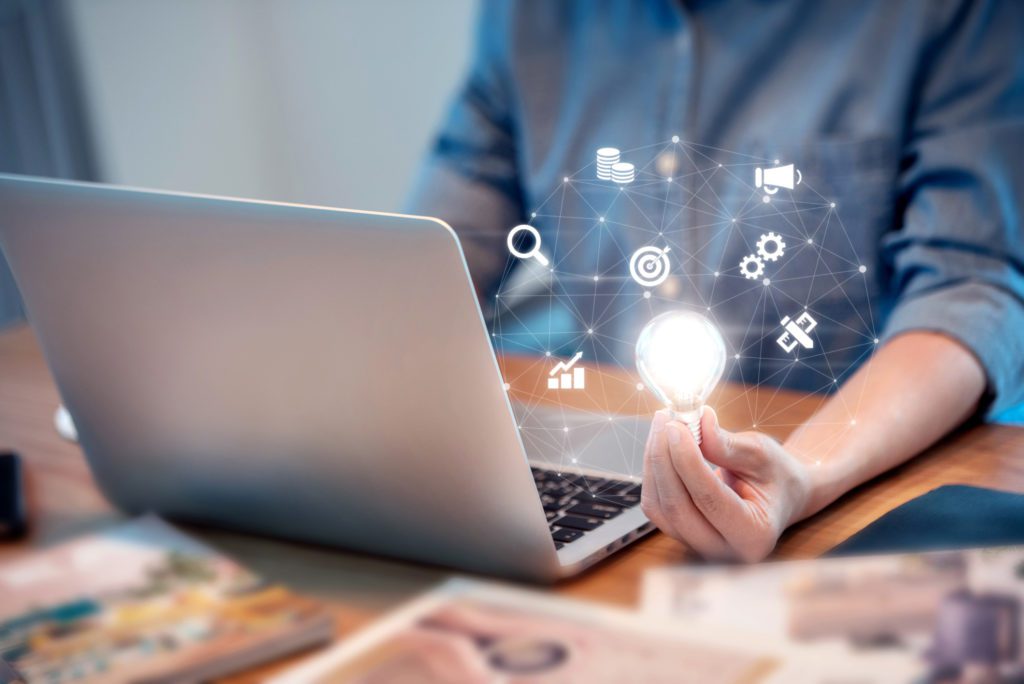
(666, 502)
(718, 503)
(737, 453)
(649, 492)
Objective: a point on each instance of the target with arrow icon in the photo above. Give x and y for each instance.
(649, 266)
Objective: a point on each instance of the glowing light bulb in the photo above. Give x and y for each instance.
(680, 356)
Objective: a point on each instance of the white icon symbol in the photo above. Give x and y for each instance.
(607, 157)
(565, 376)
(751, 267)
(771, 246)
(772, 179)
(611, 167)
(623, 173)
(797, 332)
(534, 251)
(649, 266)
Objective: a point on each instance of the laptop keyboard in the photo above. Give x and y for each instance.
(577, 504)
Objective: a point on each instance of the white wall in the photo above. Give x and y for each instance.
(320, 101)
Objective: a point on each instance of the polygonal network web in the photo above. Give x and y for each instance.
(747, 241)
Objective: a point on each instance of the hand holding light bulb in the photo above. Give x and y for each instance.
(680, 356)
(738, 510)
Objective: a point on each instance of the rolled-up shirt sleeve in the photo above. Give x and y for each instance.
(957, 260)
(470, 178)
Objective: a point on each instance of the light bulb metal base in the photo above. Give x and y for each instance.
(691, 419)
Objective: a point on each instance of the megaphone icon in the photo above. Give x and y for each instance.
(777, 177)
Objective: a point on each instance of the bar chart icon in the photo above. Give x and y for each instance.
(566, 375)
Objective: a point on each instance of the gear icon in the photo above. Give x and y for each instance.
(775, 242)
(751, 267)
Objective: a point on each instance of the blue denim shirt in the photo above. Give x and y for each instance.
(908, 116)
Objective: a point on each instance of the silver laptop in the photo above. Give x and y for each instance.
(309, 373)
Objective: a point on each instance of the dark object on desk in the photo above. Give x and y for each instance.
(8, 675)
(12, 497)
(950, 517)
(975, 629)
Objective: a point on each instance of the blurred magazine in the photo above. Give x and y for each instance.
(951, 616)
(142, 602)
(467, 631)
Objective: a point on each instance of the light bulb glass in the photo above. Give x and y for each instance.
(680, 356)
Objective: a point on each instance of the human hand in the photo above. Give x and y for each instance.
(735, 513)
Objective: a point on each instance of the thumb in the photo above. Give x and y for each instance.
(720, 447)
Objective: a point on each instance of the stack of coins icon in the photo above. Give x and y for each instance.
(623, 173)
(607, 157)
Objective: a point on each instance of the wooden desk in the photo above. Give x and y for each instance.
(64, 501)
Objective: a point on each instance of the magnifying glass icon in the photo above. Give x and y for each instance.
(532, 252)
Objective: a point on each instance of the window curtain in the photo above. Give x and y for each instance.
(43, 128)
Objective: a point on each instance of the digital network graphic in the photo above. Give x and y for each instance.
(755, 245)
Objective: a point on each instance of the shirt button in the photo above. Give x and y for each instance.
(683, 42)
(666, 164)
(670, 288)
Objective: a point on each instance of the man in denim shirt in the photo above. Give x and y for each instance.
(909, 116)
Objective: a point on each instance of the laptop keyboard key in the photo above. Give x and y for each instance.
(595, 510)
(578, 522)
(621, 500)
(566, 535)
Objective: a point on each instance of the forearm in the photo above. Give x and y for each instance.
(915, 389)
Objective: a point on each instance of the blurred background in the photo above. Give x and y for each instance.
(271, 99)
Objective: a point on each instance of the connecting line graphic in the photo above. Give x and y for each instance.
(702, 203)
(566, 366)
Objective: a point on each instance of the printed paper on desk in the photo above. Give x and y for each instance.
(897, 618)
(469, 631)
